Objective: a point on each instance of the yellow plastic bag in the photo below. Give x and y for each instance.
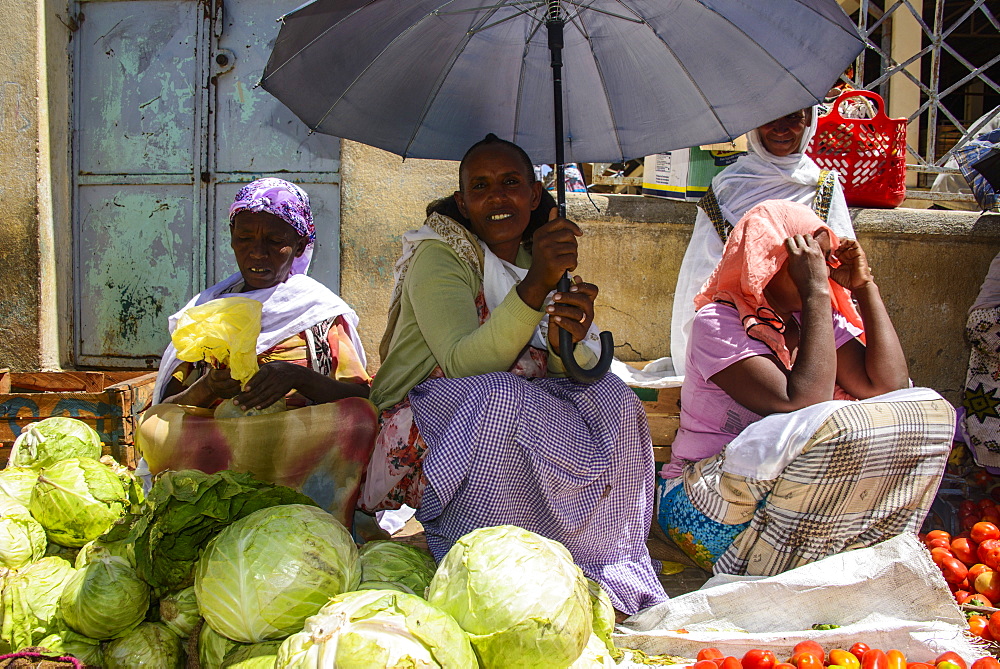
(222, 332)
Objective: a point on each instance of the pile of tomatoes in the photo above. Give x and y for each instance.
(810, 655)
(970, 562)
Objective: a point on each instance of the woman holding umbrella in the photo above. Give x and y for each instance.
(478, 428)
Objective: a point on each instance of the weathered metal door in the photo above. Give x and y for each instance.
(168, 126)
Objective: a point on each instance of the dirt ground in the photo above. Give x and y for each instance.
(690, 578)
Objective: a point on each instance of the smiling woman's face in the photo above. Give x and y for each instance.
(264, 246)
(784, 135)
(498, 197)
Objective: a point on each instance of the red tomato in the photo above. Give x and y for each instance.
(977, 569)
(874, 659)
(964, 550)
(810, 646)
(940, 554)
(985, 547)
(919, 665)
(710, 654)
(991, 517)
(936, 534)
(730, 663)
(986, 504)
(961, 594)
(967, 522)
(967, 507)
(896, 659)
(995, 493)
(953, 569)
(992, 558)
(705, 664)
(759, 659)
(988, 583)
(980, 478)
(980, 532)
(859, 649)
(807, 660)
(986, 663)
(938, 543)
(994, 624)
(785, 665)
(977, 625)
(951, 656)
(977, 599)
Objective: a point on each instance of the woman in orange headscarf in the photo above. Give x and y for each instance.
(775, 464)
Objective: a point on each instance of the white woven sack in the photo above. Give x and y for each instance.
(890, 595)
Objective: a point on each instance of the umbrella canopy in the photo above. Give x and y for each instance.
(428, 78)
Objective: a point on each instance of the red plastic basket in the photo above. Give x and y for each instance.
(869, 154)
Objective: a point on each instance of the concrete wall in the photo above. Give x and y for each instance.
(34, 153)
(929, 264)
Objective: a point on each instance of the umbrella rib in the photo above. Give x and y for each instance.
(444, 75)
(312, 41)
(597, 64)
(589, 6)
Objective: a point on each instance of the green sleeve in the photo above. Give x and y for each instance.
(442, 290)
(583, 355)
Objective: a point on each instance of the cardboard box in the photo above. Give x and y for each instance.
(109, 402)
(684, 174)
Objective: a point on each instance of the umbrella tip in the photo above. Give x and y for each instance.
(257, 85)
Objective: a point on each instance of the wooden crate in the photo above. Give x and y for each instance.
(110, 402)
(663, 411)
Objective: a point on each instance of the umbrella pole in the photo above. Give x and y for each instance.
(554, 26)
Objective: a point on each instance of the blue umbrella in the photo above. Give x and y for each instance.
(428, 78)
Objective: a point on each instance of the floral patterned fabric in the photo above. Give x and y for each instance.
(981, 397)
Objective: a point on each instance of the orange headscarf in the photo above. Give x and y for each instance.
(753, 255)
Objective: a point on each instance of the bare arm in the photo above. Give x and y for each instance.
(216, 384)
(761, 383)
(879, 366)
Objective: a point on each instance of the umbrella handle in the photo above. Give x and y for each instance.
(566, 345)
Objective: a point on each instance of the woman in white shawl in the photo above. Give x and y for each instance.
(776, 168)
(309, 354)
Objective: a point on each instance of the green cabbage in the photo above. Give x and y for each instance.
(378, 628)
(262, 576)
(252, 656)
(22, 538)
(604, 617)
(594, 656)
(31, 602)
(213, 647)
(518, 595)
(401, 564)
(98, 547)
(104, 599)
(82, 648)
(179, 611)
(77, 500)
(182, 512)
(54, 439)
(383, 585)
(148, 645)
(17, 482)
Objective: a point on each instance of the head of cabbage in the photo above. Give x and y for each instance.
(179, 611)
(68, 642)
(519, 595)
(31, 602)
(148, 645)
(58, 438)
(263, 575)
(105, 598)
(77, 500)
(17, 483)
(378, 628)
(400, 564)
(22, 538)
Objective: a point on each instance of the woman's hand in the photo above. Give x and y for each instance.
(853, 272)
(272, 381)
(807, 265)
(220, 383)
(553, 252)
(572, 311)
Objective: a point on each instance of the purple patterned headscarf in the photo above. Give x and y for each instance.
(284, 200)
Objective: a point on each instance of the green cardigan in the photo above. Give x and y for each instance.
(438, 325)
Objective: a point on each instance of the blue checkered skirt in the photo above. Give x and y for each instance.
(569, 461)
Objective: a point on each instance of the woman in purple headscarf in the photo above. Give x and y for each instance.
(309, 355)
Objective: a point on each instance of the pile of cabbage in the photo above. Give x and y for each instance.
(236, 572)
